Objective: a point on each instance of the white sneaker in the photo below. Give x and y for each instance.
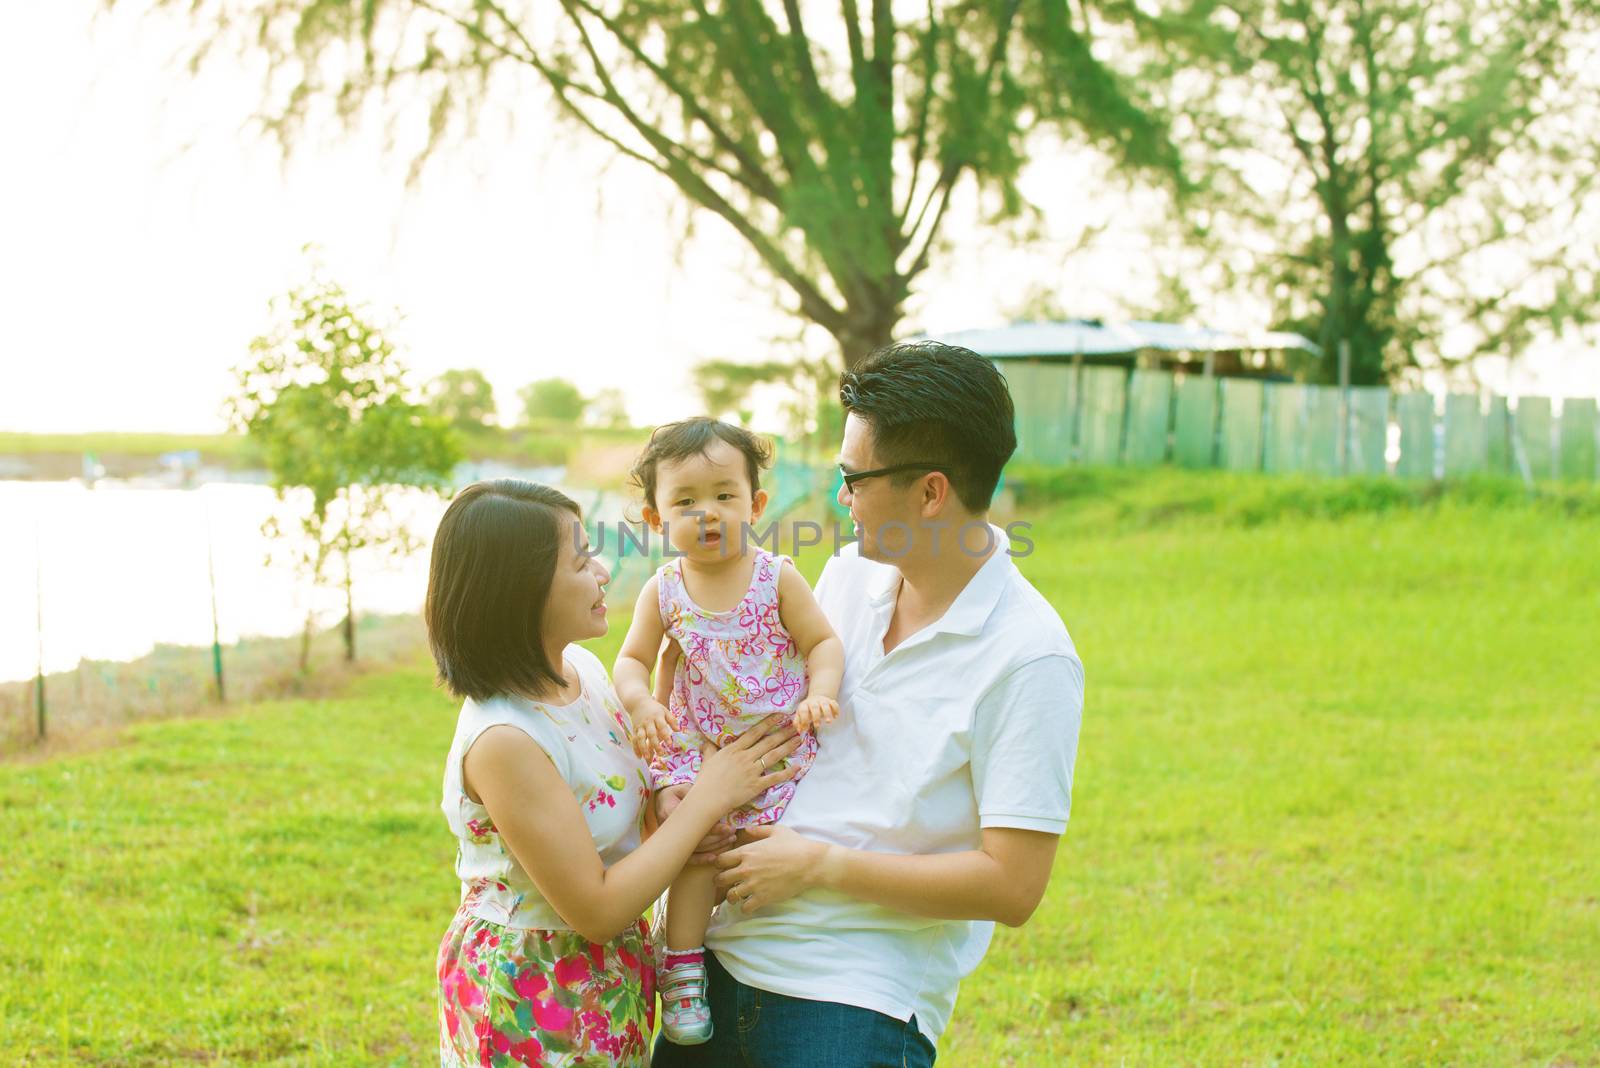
(685, 1013)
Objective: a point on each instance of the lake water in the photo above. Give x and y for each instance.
(123, 566)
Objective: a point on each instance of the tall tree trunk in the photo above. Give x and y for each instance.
(349, 609)
(319, 519)
(866, 329)
(1336, 317)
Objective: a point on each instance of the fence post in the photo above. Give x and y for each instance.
(216, 628)
(1075, 437)
(1344, 407)
(1122, 424)
(1519, 455)
(38, 619)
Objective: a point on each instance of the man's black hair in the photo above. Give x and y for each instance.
(928, 402)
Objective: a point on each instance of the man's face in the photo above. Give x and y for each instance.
(885, 515)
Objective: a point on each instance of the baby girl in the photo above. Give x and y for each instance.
(754, 642)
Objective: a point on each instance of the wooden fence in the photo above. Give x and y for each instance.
(1109, 415)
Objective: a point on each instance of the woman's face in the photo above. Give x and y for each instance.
(576, 610)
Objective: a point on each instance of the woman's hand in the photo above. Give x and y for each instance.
(774, 866)
(738, 773)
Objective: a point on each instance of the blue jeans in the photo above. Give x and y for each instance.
(759, 1029)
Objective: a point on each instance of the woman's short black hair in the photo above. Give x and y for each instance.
(692, 437)
(488, 581)
(928, 402)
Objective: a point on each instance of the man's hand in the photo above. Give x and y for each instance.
(713, 844)
(773, 866)
(652, 728)
(814, 712)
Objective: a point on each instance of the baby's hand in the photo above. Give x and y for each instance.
(814, 712)
(652, 729)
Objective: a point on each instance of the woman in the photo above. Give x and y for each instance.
(547, 961)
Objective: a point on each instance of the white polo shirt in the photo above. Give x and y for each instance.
(970, 723)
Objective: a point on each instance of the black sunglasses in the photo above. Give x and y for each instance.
(852, 477)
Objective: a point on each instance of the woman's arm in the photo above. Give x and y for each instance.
(721, 838)
(1003, 880)
(540, 821)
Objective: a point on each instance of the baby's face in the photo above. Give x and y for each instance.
(704, 501)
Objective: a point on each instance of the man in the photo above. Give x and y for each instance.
(936, 801)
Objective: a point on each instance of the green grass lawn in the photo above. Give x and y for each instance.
(222, 446)
(1335, 804)
(546, 443)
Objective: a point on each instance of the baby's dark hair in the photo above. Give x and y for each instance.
(692, 437)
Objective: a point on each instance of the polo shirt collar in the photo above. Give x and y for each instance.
(972, 606)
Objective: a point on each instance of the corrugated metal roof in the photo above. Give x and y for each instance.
(1089, 337)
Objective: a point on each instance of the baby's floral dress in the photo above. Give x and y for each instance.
(737, 668)
(518, 986)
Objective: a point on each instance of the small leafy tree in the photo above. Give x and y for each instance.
(725, 385)
(462, 398)
(325, 400)
(805, 390)
(551, 399)
(607, 409)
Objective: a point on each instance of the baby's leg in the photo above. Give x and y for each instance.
(685, 1014)
(689, 905)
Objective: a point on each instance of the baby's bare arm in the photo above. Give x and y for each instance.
(666, 668)
(803, 618)
(652, 723)
(631, 673)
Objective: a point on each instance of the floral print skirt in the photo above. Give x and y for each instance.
(511, 996)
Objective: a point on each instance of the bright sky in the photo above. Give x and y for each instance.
(143, 232)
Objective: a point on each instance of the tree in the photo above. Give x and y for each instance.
(325, 401)
(725, 385)
(607, 409)
(1408, 176)
(551, 399)
(806, 391)
(463, 399)
(832, 142)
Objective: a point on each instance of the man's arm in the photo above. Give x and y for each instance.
(1024, 746)
(1004, 880)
